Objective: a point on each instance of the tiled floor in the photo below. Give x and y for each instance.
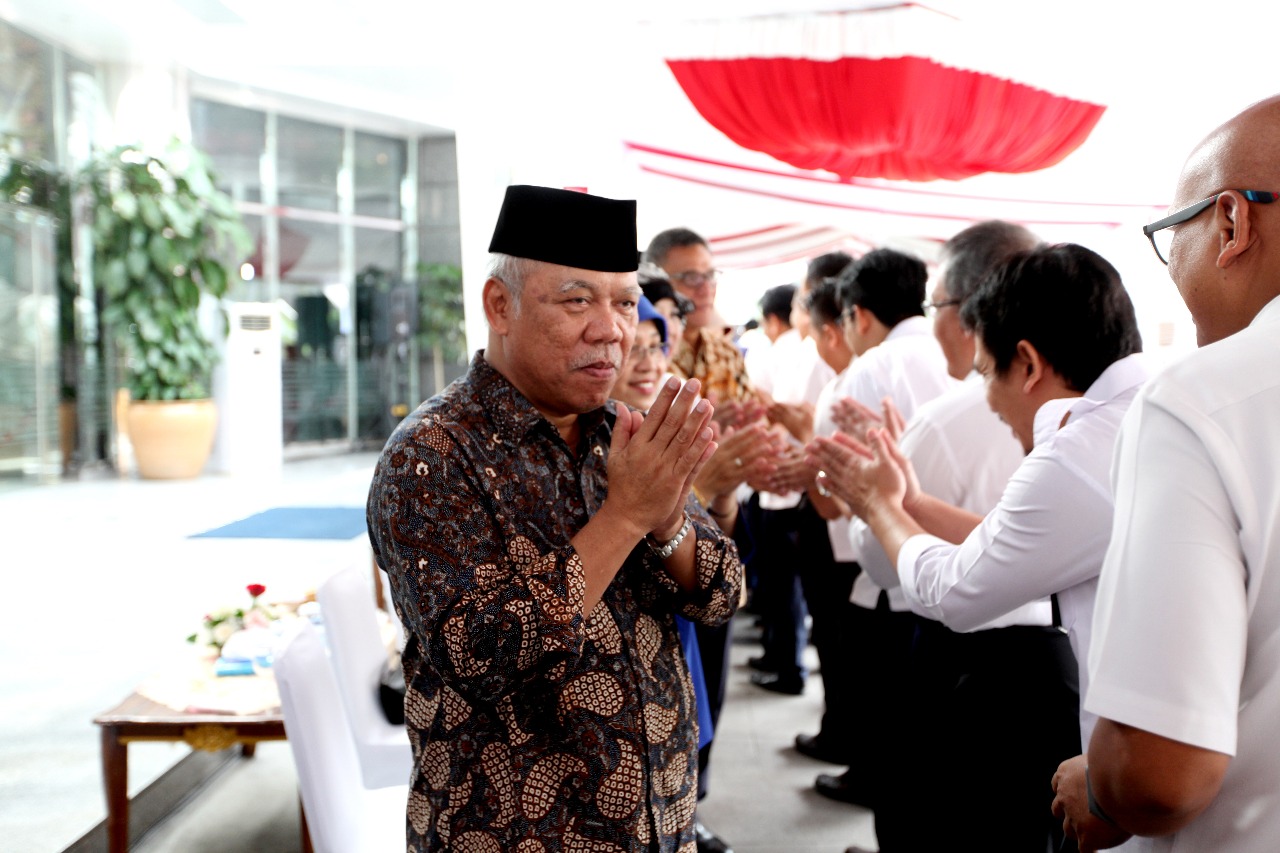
(103, 584)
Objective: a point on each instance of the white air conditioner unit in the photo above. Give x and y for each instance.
(249, 391)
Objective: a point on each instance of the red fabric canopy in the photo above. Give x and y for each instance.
(901, 118)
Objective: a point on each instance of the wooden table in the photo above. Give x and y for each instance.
(138, 718)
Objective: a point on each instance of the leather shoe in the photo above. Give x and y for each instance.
(761, 663)
(817, 748)
(842, 789)
(708, 841)
(788, 685)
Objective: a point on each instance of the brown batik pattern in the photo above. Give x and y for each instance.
(533, 729)
(715, 361)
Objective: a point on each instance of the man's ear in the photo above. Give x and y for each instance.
(1029, 366)
(498, 305)
(832, 334)
(862, 320)
(1234, 226)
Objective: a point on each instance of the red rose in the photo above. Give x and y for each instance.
(256, 589)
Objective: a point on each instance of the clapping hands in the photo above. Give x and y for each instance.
(744, 455)
(654, 459)
(854, 418)
(865, 473)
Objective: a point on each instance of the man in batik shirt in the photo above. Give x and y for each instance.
(706, 351)
(539, 543)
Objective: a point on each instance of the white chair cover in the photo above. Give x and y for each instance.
(358, 654)
(342, 815)
(391, 608)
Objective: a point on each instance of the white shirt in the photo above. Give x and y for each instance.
(798, 375)
(756, 346)
(964, 455)
(910, 367)
(824, 425)
(1187, 626)
(1047, 535)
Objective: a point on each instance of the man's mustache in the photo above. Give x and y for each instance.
(611, 356)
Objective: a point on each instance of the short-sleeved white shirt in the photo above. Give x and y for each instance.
(1187, 626)
(1048, 534)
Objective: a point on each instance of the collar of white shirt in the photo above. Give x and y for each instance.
(910, 326)
(1118, 378)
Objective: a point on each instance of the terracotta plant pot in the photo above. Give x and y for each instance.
(171, 439)
(67, 429)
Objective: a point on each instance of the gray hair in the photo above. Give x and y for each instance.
(673, 238)
(977, 251)
(511, 271)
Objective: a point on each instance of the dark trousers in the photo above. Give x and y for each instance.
(988, 718)
(826, 585)
(778, 597)
(880, 642)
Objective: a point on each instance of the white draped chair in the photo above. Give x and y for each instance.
(343, 816)
(350, 612)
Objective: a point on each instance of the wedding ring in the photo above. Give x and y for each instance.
(737, 461)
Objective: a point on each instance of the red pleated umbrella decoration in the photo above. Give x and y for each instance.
(877, 93)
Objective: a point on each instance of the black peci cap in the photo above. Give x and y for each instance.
(569, 228)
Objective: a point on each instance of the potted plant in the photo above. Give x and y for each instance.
(163, 240)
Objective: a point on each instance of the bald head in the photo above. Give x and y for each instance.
(1226, 261)
(1243, 153)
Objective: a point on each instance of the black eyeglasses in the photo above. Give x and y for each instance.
(932, 308)
(694, 278)
(1162, 238)
(640, 353)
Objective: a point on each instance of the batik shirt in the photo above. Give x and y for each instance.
(533, 729)
(716, 362)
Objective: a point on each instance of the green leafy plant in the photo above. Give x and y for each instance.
(163, 236)
(441, 326)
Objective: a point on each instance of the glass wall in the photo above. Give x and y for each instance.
(309, 160)
(54, 112)
(340, 218)
(337, 243)
(29, 436)
(239, 136)
(27, 87)
(380, 170)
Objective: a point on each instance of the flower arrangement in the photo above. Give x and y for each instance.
(218, 625)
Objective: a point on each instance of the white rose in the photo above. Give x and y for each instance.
(223, 631)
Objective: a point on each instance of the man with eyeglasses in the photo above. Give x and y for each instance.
(977, 689)
(1048, 533)
(706, 353)
(1185, 665)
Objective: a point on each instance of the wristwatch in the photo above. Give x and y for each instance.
(668, 548)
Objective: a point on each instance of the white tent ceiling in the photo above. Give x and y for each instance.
(550, 92)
